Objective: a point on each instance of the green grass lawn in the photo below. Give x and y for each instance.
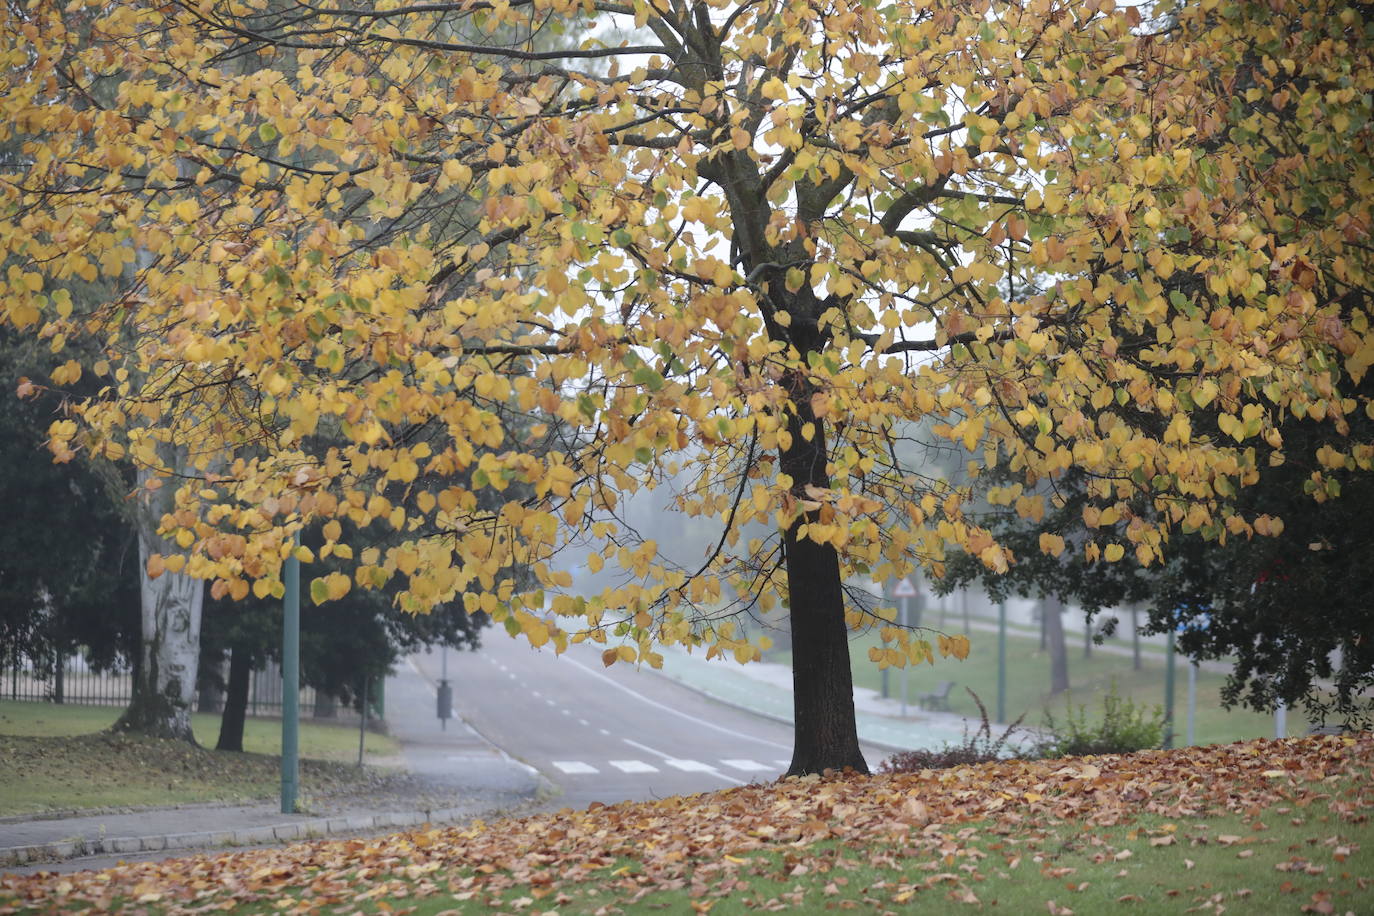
(1028, 682)
(318, 741)
(57, 757)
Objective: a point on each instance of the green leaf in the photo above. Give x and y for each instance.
(319, 592)
(645, 377)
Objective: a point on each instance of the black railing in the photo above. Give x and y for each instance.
(71, 680)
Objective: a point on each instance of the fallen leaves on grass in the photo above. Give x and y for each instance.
(921, 825)
(111, 769)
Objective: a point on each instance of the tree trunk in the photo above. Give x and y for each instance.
(235, 701)
(1053, 611)
(826, 735)
(1135, 638)
(325, 705)
(165, 681)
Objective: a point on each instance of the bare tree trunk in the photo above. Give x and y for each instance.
(1053, 611)
(235, 700)
(826, 734)
(165, 680)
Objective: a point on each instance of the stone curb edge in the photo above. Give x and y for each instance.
(246, 836)
(735, 704)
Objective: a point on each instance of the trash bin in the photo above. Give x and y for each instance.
(445, 703)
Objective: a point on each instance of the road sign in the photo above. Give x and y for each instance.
(904, 589)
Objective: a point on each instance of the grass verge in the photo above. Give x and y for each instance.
(1028, 680)
(54, 757)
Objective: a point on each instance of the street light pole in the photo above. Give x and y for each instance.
(1001, 661)
(1169, 691)
(291, 681)
(905, 668)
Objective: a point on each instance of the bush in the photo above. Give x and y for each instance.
(976, 748)
(1124, 728)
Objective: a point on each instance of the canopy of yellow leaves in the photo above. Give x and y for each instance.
(367, 268)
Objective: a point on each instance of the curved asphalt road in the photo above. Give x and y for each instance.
(609, 734)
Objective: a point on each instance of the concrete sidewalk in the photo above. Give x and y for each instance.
(450, 775)
(765, 688)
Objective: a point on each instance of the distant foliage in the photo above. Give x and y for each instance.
(1124, 727)
(979, 747)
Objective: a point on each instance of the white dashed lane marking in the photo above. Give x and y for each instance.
(634, 766)
(575, 767)
(582, 768)
(748, 766)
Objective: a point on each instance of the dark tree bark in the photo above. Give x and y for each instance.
(1053, 609)
(825, 733)
(235, 701)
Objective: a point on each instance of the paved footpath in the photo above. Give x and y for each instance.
(453, 775)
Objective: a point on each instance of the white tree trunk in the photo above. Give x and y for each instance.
(171, 604)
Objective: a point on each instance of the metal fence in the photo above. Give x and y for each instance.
(71, 680)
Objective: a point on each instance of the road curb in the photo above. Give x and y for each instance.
(764, 714)
(81, 847)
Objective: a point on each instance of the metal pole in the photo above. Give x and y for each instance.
(291, 681)
(1192, 704)
(362, 723)
(443, 679)
(1001, 661)
(1169, 692)
(902, 606)
(1281, 720)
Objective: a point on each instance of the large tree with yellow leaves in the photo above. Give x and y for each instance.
(374, 268)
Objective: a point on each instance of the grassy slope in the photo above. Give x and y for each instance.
(53, 757)
(1028, 679)
(1260, 828)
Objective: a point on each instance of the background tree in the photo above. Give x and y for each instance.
(360, 636)
(748, 252)
(68, 564)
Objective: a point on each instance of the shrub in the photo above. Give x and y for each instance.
(1124, 728)
(976, 748)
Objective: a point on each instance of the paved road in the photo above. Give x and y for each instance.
(609, 734)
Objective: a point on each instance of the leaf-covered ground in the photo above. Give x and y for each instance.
(108, 770)
(61, 757)
(1265, 826)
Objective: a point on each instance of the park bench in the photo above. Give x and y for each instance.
(937, 698)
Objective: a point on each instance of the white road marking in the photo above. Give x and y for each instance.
(567, 712)
(575, 767)
(748, 766)
(536, 693)
(690, 766)
(783, 763)
(604, 732)
(583, 722)
(643, 699)
(511, 675)
(551, 702)
(634, 766)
